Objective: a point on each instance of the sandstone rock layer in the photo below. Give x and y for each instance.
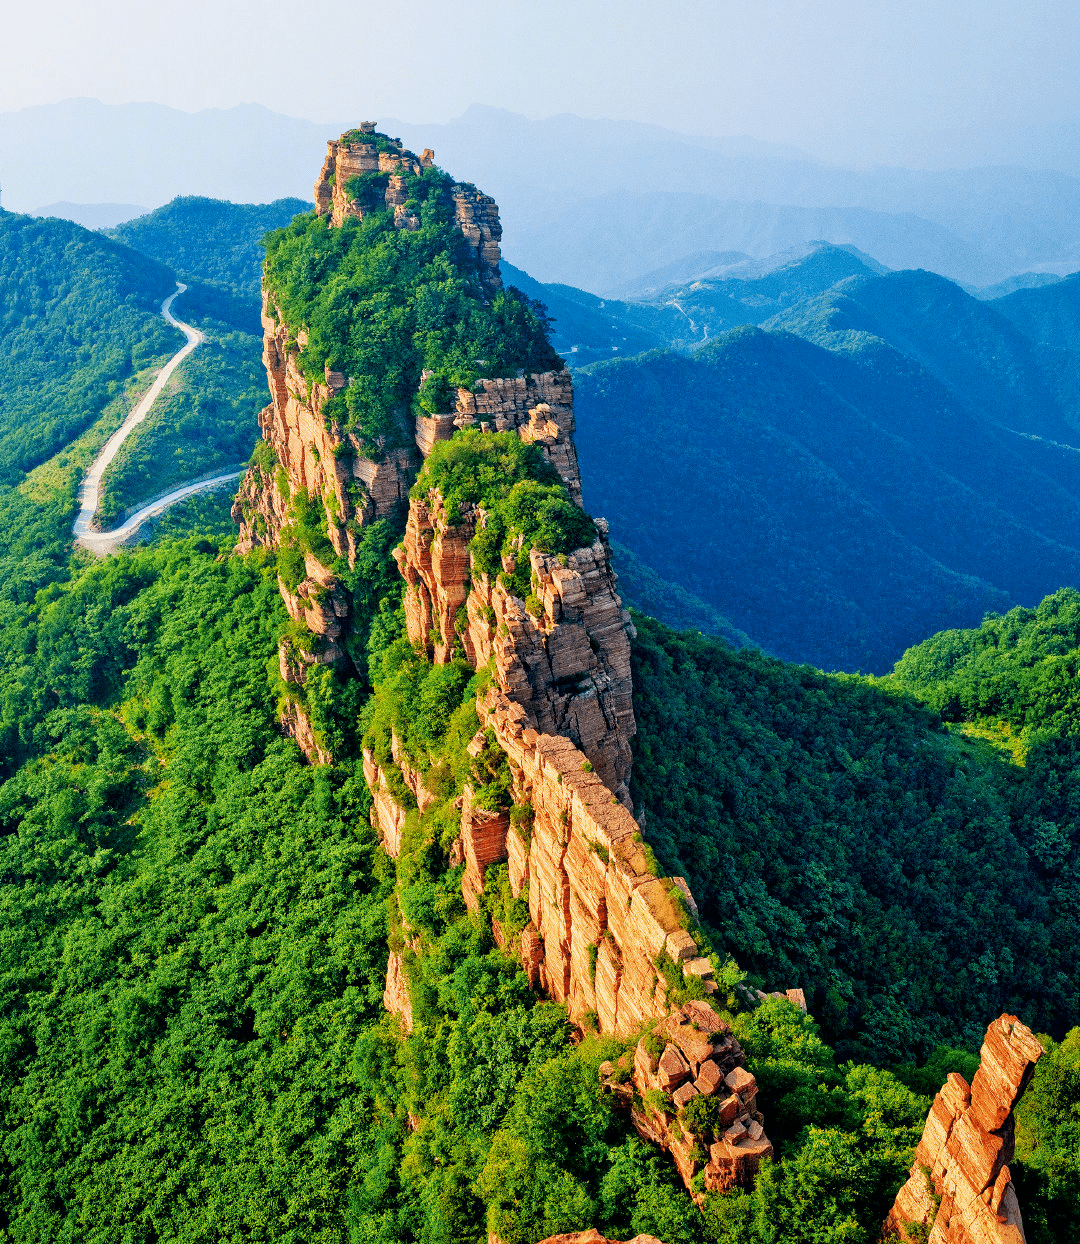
(960, 1186)
(593, 1237)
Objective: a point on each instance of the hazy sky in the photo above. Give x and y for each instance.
(919, 82)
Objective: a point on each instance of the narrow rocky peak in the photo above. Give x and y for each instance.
(365, 171)
(606, 935)
(960, 1190)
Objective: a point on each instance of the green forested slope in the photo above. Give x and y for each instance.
(210, 241)
(78, 315)
(986, 359)
(206, 421)
(838, 838)
(193, 1042)
(194, 922)
(886, 457)
(836, 505)
(384, 305)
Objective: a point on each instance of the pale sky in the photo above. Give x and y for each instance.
(918, 82)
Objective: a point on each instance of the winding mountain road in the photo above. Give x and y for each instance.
(104, 542)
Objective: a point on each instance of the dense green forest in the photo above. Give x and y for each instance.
(194, 1042)
(206, 421)
(839, 838)
(79, 315)
(82, 335)
(209, 241)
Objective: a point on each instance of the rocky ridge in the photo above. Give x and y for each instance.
(960, 1189)
(606, 935)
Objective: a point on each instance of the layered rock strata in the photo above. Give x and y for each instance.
(358, 483)
(539, 408)
(960, 1187)
(349, 184)
(568, 665)
(314, 453)
(691, 1054)
(396, 994)
(605, 934)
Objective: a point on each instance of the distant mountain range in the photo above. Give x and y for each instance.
(870, 457)
(596, 204)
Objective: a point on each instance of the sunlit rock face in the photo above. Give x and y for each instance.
(960, 1186)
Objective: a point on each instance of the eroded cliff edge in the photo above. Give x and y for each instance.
(544, 627)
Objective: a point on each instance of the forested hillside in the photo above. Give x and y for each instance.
(207, 420)
(210, 241)
(78, 318)
(839, 838)
(217, 1050)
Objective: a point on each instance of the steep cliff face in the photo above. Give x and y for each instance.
(960, 1186)
(539, 408)
(567, 661)
(314, 453)
(604, 934)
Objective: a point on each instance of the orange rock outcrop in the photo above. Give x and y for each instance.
(396, 994)
(357, 483)
(346, 187)
(606, 935)
(693, 1054)
(960, 1186)
(591, 1237)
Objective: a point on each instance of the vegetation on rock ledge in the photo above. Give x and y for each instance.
(383, 304)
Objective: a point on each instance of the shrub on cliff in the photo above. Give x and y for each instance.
(523, 498)
(383, 305)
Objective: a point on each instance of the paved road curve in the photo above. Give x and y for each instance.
(103, 542)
